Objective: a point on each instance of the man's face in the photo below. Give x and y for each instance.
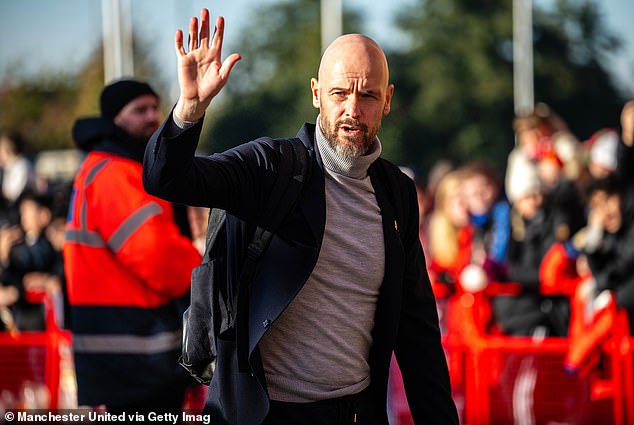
(140, 117)
(353, 96)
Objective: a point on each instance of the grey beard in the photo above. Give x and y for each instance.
(348, 151)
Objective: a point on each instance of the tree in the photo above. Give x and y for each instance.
(40, 112)
(454, 87)
(269, 89)
(44, 107)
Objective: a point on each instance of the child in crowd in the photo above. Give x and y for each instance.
(23, 250)
(489, 215)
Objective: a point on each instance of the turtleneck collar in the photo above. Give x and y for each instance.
(355, 168)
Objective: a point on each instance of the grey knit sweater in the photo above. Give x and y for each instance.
(319, 347)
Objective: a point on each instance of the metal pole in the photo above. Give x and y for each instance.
(117, 39)
(331, 21)
(523, 90)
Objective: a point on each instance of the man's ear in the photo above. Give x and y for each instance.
(314, 88)
(388, 100)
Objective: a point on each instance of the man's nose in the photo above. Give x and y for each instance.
(353, 106)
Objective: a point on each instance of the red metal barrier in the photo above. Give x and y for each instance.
(34, 365)
(500, 380)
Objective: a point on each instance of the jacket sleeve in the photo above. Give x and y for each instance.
(231, 180)
(418, 348)
(140, 231)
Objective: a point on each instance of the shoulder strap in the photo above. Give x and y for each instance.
(288, 187)
(286, 191)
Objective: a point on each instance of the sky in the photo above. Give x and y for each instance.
(58, 35)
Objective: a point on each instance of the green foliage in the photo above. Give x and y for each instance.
(454, 85)
(44, 107)
(42, 112)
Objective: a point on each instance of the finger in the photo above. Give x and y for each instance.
(219, 33)
(178, 43)
(228, 65)
(204, 28)
(193, 33)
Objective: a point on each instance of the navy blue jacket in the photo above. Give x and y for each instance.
(406, 320)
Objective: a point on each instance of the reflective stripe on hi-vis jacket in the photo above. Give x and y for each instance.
(122, 246)
(84, 236)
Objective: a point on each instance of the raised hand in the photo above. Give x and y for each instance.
(201, 72)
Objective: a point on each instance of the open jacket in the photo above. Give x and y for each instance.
(406, 320)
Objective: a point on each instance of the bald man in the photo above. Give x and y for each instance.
(342, 285)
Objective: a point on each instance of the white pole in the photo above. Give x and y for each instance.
(523, 90)
(117, 39)
(331, 21)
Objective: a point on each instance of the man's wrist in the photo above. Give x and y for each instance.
(182, 124)
(187, 112)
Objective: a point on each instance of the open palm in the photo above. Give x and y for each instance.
(201, 72)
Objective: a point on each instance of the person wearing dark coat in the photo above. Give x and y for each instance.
(537, 222)
(343, 284)
(127, 264)
(608, 240)
(25, 249)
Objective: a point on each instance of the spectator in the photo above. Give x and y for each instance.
(300, 357)
(450, 233)
(602, 159)
(53, 281)
(534, 133)
(25, 250)
(607, 244)
(535, 227)
(608, 239)
(17, 174)
(127, 264)
(489, 212)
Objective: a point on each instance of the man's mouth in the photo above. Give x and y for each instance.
(350, 130)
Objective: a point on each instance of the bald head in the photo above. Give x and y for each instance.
(354, 53)
(352, 93)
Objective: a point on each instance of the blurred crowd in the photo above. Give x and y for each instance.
(556, 228)
(32, 222)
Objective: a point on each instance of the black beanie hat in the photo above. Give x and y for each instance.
(116, 95)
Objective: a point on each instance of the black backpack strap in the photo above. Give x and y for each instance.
(286, 192)
(285, 195)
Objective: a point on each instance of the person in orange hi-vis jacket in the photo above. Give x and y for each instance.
(128, 263)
